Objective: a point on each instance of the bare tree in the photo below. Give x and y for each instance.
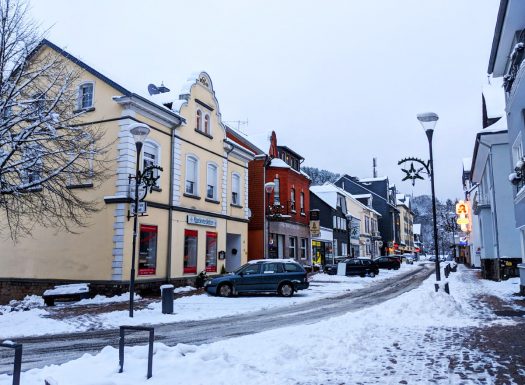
(46, 150)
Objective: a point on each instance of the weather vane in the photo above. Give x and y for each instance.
(412, 173)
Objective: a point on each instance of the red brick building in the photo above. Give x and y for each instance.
(280, 219)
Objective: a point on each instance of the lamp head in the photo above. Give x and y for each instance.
(428, 120)
(269, 187)
(139, 131)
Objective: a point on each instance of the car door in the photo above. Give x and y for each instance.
(249, 278)
(353, 267)
(272, 273)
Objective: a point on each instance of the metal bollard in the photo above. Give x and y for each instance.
(17, 365)
(150, 346)
(167, 299)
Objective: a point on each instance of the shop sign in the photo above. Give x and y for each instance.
(462, 211)
(143, 208)
(201, 221)
(315, 229)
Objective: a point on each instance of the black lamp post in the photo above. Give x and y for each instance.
(140, 132)
(428, 122)
(268, 187)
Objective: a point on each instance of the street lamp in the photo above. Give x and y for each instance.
(428, 121)
(140, 132)
(268, 187)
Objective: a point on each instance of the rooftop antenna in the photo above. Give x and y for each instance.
(374, 167)
(239, 123)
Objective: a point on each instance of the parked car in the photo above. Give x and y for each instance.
(281, 276)
(388, 262)
(409, 258)
(432, 258)
(355, 266)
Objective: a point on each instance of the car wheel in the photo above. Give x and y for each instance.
(286, 289)
(362, 275)
(371, 274)
(224, 290)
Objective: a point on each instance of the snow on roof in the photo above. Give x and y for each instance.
(358, 196)
(467, 164)
(326, 193)
(494, 98)
(366, 180)
(402, 199)
(306, 175)
(499, 126)
(278, 163)
(416, 228)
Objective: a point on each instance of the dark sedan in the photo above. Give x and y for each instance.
(388, 262)
(355, 266)
(280, 276)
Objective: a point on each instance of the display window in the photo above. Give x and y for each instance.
(148, 250)
(190, 251)
(211, 252)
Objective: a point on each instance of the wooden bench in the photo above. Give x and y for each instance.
(74, 292)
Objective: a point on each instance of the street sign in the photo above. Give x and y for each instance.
(143, 208)
(143, 190)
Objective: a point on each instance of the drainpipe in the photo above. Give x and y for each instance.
(170, 210)
(496, 232)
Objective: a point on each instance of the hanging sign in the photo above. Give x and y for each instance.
(462, 210)
(315, 223)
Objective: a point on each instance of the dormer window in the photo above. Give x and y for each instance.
(85, 96)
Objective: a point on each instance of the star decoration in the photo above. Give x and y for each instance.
(412, 173)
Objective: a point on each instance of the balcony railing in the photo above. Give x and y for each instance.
(279, 211)
(516, 62)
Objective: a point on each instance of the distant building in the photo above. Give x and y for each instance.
(406, 221)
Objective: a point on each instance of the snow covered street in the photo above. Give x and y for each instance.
(418, 337)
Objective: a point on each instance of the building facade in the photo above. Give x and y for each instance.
(279, 225)
(406, 222)
(197, 214)
(383, 202)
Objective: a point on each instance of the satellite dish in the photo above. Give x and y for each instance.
(162, 89)
(153, 90)
(249, 213)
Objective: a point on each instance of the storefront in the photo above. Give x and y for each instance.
(322, 248)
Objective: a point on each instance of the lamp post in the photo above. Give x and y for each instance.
(268, 187)
(140, 132)
(428, 122)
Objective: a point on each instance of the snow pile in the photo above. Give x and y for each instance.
(75, 288)
(29, 302)
(184, 289)
(101, 299)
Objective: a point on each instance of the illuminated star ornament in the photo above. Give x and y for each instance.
(412, 173)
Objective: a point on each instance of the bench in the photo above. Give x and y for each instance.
(73, 292)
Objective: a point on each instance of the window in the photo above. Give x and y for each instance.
(198, 120)
(236, 189)
(211, 252)
(190, 251)
(302, 202)
(367, 225)
(344, 249)
(211, 180)
(292, 268)
(148, 250)
(150, 157)
(85, 96)
(274, 267)
(192, 167)
(334, 222)
(291, 247)
(207, 127)
(31, 172)
(276, 200)
(336, 251)
(292, 199)
(81, 170)
(303, 254)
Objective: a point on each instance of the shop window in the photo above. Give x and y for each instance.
(85, 96)
(147, 250)
(292, 247)
(211, 252)
(190, 251)
(303, 248)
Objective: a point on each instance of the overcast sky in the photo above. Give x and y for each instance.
(340, 82)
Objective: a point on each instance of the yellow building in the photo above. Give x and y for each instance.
(365, 238)
(406, 224)
(196, 215)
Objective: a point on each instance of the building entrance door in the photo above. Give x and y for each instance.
(280, 246)
(233, 252)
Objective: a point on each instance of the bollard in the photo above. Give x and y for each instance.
(167, 299)
(150, 347)
(17, 365)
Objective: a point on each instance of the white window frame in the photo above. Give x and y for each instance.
(344, 249)
(195, 159)
(207, 124)
(198, 119)
(146, 149)
(292, 246)
(212, 180)
(517, 150)
(80, 99)
(303, 248)
(236, 189)
(292, 199)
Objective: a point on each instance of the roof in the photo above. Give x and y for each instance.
(106, 79)
(287, 149)
(402, 199)
(494, 96)
(416, 228)
(467, 164)
(487, 137)
(497, 34)
(332, 200)
(376, 179)
(278, 163)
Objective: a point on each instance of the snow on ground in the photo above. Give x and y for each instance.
(404, 340)
(37, 320)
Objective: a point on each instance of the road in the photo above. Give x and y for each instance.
(60, 348)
